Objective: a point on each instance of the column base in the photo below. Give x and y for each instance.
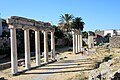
(15, 74)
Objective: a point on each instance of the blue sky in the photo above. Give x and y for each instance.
(97, 14)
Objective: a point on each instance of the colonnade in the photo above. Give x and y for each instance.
(77, 40)
(16, 22)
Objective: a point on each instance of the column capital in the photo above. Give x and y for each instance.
(45, 31)
(36, 30)
(52, 31)
(25, 29)
(11, 27)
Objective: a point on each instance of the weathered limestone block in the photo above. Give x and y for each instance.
(115, 41)
(94, 75)
(25, 23)
(104, 72)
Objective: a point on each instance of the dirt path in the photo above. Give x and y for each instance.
(61, 69)
(67, 66)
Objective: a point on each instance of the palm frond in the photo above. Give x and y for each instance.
(65, 21)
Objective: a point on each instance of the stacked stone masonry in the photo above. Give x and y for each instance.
(105, 70)
(115, 42)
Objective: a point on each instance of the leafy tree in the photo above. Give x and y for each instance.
(78, 23)
(84, 34)
(58, 32)
(65, 22)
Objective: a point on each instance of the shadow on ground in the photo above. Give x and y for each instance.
(56, 72)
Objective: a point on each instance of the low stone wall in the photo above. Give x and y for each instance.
(8, 64)
(105, 71)
(115, 42)
(5, 65)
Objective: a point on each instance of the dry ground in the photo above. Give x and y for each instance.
(68, 67)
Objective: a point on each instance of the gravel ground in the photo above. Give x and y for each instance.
(68, 65)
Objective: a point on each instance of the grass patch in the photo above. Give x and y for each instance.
(81, 76)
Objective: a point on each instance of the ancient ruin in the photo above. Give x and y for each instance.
(77, 40)
(25, 24)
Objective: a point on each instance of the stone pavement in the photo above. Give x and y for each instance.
(70, 65)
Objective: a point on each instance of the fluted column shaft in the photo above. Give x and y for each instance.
(76, 43)
(14, 62)
(53, 45)
(37, 47)
(27, 49)
(45, 46)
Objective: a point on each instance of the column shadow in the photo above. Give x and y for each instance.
(56, 72)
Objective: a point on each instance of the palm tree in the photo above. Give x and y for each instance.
(78, 23)
(65, 22)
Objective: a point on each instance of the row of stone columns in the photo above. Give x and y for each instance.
(77, 42)
(14, 62)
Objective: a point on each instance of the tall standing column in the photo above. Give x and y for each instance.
(89, 41)
(92, 41)
(78, 43)
(74, 44)
(81, 41)
(27, 49)
(37, 47)
(45, 47)
(53, 45)
(14, 63)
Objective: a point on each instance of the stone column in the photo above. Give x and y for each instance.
(27, 49)
(53, 45)
(78, 43)
(37, 47)
(90, 41)
(74, 44)
(93, 41)
(45, 46)
(81, 41)
(14, 63)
